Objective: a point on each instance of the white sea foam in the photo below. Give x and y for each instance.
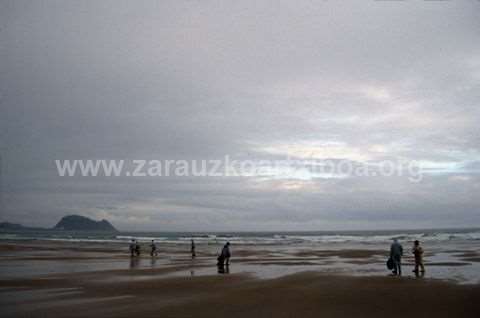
(255, 238)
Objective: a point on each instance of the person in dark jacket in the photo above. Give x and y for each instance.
(226, 253)
(224, 257)
(396, 253)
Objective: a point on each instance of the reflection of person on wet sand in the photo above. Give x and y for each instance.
(223, 269)
(134, 262)
(153, 261)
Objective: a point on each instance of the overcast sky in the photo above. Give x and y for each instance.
(362, 81)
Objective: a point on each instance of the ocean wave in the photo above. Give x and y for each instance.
(258, 239)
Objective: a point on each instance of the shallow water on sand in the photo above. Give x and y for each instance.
(457, 261)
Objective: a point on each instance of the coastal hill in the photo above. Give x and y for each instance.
(7, 226)
(81, 223)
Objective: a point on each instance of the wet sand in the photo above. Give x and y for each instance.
(89, 280)
(301, 295)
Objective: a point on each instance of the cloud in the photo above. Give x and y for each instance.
(360, 82)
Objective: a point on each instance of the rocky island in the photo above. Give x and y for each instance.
(81, 223)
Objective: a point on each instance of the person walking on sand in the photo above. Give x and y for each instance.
(396, 253)
(192, 249)
(153, 249)
(417, 251)
(132, 248)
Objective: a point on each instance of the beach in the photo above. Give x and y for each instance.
(97, 279)
(305, 295)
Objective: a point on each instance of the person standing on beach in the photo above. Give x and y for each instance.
(192, 249)
(153, 251)
(137, 248)
(396, 253)
(417, 251)
(226, 253)
(132, 248)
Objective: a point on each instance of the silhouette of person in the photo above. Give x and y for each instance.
(192, 249)
(132, 248)
(417, 251)
(396, 253)
(137, 249)
(226, 253)
(153, 249)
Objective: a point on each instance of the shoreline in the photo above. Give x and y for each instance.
(39, 258)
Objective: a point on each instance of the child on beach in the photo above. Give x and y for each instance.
(417, 251)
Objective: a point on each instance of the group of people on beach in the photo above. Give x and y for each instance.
(223, 258)
(395, 261)
(135, 248)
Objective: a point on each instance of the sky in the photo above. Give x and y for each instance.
(361, 82)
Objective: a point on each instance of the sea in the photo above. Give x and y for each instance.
(450, 254)
(254, 238)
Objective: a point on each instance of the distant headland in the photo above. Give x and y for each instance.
(67, 223)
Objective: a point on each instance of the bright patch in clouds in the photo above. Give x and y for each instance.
(376, 93)
(318, 150)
